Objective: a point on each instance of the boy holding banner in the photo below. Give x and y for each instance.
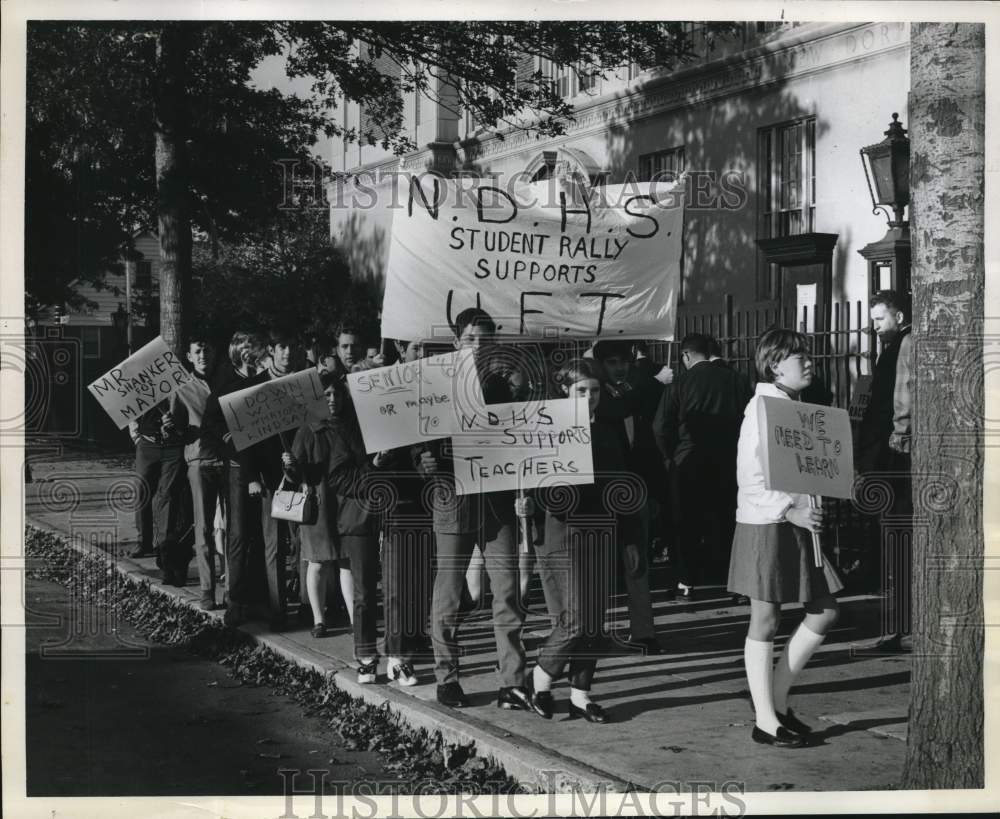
(462, 521)
(243, 532)
(772, 559)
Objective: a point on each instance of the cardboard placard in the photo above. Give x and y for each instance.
(415, 401)
(807, 448)
(131, 389)
(545, 260)
(258, 412)
(523, 445)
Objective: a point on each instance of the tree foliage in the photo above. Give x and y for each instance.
(288, 275)
(158, 125)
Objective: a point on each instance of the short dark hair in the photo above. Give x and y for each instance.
(612, 348)
(473, 316)
(200, 337)
(892, 300)
(348, 330)
(697, 343)
(283, 335)
(775, 346)
(640, 347)
(331, 378)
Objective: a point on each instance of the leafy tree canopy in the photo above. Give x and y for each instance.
(94, 114)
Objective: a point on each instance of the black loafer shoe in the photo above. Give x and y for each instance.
(138, 552)
(169, 578)
(543, 704)
(793, 723)
(517, 698)
(592, 713)
(783, 739)
(452, 695)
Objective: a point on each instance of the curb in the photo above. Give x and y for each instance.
(533, 765)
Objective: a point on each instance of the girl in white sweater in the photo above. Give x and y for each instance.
(772, 558)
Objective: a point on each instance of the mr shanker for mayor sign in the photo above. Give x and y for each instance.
(546, 260)
(131, 389)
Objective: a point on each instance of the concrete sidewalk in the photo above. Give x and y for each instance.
(681, 717)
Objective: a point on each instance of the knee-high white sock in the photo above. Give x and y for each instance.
(799, 648)
(540, 679)
(757, 656)
(347, 591)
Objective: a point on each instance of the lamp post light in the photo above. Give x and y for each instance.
(120, 321)
(887, 171)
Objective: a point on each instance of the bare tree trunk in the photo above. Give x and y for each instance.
(947, 118)
(173, 198)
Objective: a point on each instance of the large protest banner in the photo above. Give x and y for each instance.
(415, 401)
(263, 410)
(523, 445)
(807, 448)
(132, 388)
(548, 260)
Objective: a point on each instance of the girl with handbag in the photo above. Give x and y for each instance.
(329, 458)
(772, 556)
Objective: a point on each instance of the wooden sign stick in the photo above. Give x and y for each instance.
(817, 538)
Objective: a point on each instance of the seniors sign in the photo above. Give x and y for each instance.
(129, 390)
(265, 409)
(547, 260)
(807, 448)
(416, 400)
(524, 445)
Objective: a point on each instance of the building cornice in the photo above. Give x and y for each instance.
(797, 53)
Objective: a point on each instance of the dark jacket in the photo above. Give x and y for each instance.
(623, 410)
(700, 414)
(331, 459)
(458, 514)
(612, 493)
(876, 425)
(225, 381)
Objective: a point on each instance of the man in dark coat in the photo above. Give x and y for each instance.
(697, 427)
(625, 406)
(883, 455)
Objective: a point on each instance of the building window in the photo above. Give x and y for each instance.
(561, 77)
(90, 338)
(143, 274)
(788, 179)
(670, 161)
(786, 190)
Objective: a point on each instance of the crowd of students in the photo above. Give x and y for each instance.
(675, 460)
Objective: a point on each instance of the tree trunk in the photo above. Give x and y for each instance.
(173, 197)
(947, 118)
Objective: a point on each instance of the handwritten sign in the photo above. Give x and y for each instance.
(415, 401)
(128, 391)
(860, 398)
(546, 260)
(807, 448)
(523, 445)
(263, 410)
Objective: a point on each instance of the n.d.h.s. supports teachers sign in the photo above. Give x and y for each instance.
(548, 260)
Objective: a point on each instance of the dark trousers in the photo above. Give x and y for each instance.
(454, 552)
(703, 494)
(362, 553)
(244, 540)
(575, 564)
(407, 549)
(208, 483)
(161, 518)
(280, 541)
(895, 546)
